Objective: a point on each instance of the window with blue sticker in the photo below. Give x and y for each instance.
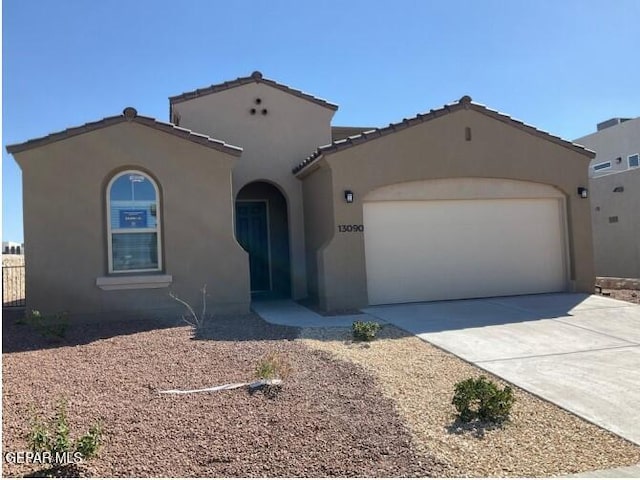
(133, 223)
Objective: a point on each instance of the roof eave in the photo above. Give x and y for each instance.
(503, 117)
(255, 77)
(129, 114)
(310, 167)
(464, 103)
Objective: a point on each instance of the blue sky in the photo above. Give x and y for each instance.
(561, 65)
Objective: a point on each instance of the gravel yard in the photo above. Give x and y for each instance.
(330, 419)
(347, 409)
(540, 440)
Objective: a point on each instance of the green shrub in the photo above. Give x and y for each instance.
(53, 439)
(365, 331)
(272, 365)
(482, 399)
(49, 326)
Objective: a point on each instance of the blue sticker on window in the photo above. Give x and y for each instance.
(133, 218)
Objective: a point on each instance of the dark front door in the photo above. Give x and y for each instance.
(253, 234)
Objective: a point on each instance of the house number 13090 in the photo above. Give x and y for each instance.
(350, 228)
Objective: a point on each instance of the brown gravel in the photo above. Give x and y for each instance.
(329, 420)
(540, 440)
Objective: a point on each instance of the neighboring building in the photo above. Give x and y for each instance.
(460, 202)
(13, 248)
(615, 196)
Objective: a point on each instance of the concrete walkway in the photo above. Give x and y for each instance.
(578, 351)
(292, 314)
(623, 472)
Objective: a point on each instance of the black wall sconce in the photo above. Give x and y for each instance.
(618, 189)
(583, 192)
(348, 196)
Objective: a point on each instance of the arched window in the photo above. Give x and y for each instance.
(133, 223)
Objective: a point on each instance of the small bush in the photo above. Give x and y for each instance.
(365, 331)
(53, 438)
(272, 366)
(482, 399)
(49, 326)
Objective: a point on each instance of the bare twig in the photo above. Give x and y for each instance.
(204, 301)
(197, 322)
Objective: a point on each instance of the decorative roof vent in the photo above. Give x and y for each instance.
(465, 101)
(130, 113)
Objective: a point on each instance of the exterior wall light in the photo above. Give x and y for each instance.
(583, 192)
(348, 196)
(618, 189)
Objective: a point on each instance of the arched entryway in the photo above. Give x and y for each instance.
(262, 229)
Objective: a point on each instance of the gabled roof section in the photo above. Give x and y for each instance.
(339, 133)
(255, 77)
(129, 114)
(465, 103)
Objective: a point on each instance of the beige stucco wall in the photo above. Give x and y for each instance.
(272, 145)
(65, 223)
(318, 210)
(616, 243)
(433, 150)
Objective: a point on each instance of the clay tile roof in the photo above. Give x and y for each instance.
(255, 77)
(464, 103)
(129, 114)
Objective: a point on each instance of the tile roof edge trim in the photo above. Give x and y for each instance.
(255, 77)
(464, 103)
(129, 114)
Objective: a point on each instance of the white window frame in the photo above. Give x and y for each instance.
(111, 231)
(629, 160)
(607, 163)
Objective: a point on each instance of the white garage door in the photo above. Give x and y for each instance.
(448, 249)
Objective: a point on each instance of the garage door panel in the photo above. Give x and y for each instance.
(436, 250)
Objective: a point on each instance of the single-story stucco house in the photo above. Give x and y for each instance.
(251, 191)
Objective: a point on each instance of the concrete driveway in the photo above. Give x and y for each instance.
(579, 351)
